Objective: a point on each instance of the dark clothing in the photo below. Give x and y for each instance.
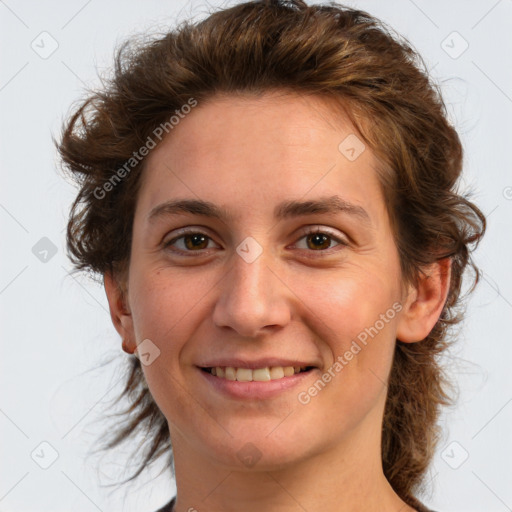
(168, 507)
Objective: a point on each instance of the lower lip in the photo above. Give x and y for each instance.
(255, 389)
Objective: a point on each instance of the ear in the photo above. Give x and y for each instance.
(119, 311)
(425, 302)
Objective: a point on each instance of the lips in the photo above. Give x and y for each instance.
(241, 388)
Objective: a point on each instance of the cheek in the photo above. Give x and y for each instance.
(357, 345)
(168, 306)
(160, 315)
(355, 321)
(162, 303)
(355, 305)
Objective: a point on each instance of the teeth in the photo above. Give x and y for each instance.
(288, 371)
(277, 372)
(258, 374)
(230, 373)
(261, 374)
(244, 375)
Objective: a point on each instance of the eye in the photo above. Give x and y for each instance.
(189, 241)
(320, 240)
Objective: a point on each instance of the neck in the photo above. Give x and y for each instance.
(346, 477)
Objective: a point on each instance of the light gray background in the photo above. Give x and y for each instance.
(56, 328)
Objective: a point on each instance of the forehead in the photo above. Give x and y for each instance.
(279, 124)
(253, 151)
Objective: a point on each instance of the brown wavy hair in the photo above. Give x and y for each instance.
(383, 85)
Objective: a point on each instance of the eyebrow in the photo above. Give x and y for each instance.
(284, 210)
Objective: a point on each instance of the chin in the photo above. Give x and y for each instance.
(267, 447)
(255, 457)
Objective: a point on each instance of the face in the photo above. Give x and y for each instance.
(259, 277)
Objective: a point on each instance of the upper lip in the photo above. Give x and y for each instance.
(258, 363)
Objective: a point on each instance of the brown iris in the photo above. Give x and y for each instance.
(195, 241)
(319, 238)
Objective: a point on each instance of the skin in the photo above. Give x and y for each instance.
(247, 154)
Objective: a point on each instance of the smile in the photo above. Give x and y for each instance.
(255, 374)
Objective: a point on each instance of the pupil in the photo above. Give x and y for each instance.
(320, 238)
(196, 240)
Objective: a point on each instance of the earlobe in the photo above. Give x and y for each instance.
(120, 312)
(425, 302)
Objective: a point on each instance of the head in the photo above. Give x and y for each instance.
(276, 103)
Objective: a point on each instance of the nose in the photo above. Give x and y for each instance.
(252, 299)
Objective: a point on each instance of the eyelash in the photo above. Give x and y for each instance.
(315, 231)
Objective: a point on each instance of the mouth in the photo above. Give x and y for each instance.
(264, 374)
(256, 380)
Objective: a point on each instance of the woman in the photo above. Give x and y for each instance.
(270, 198)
